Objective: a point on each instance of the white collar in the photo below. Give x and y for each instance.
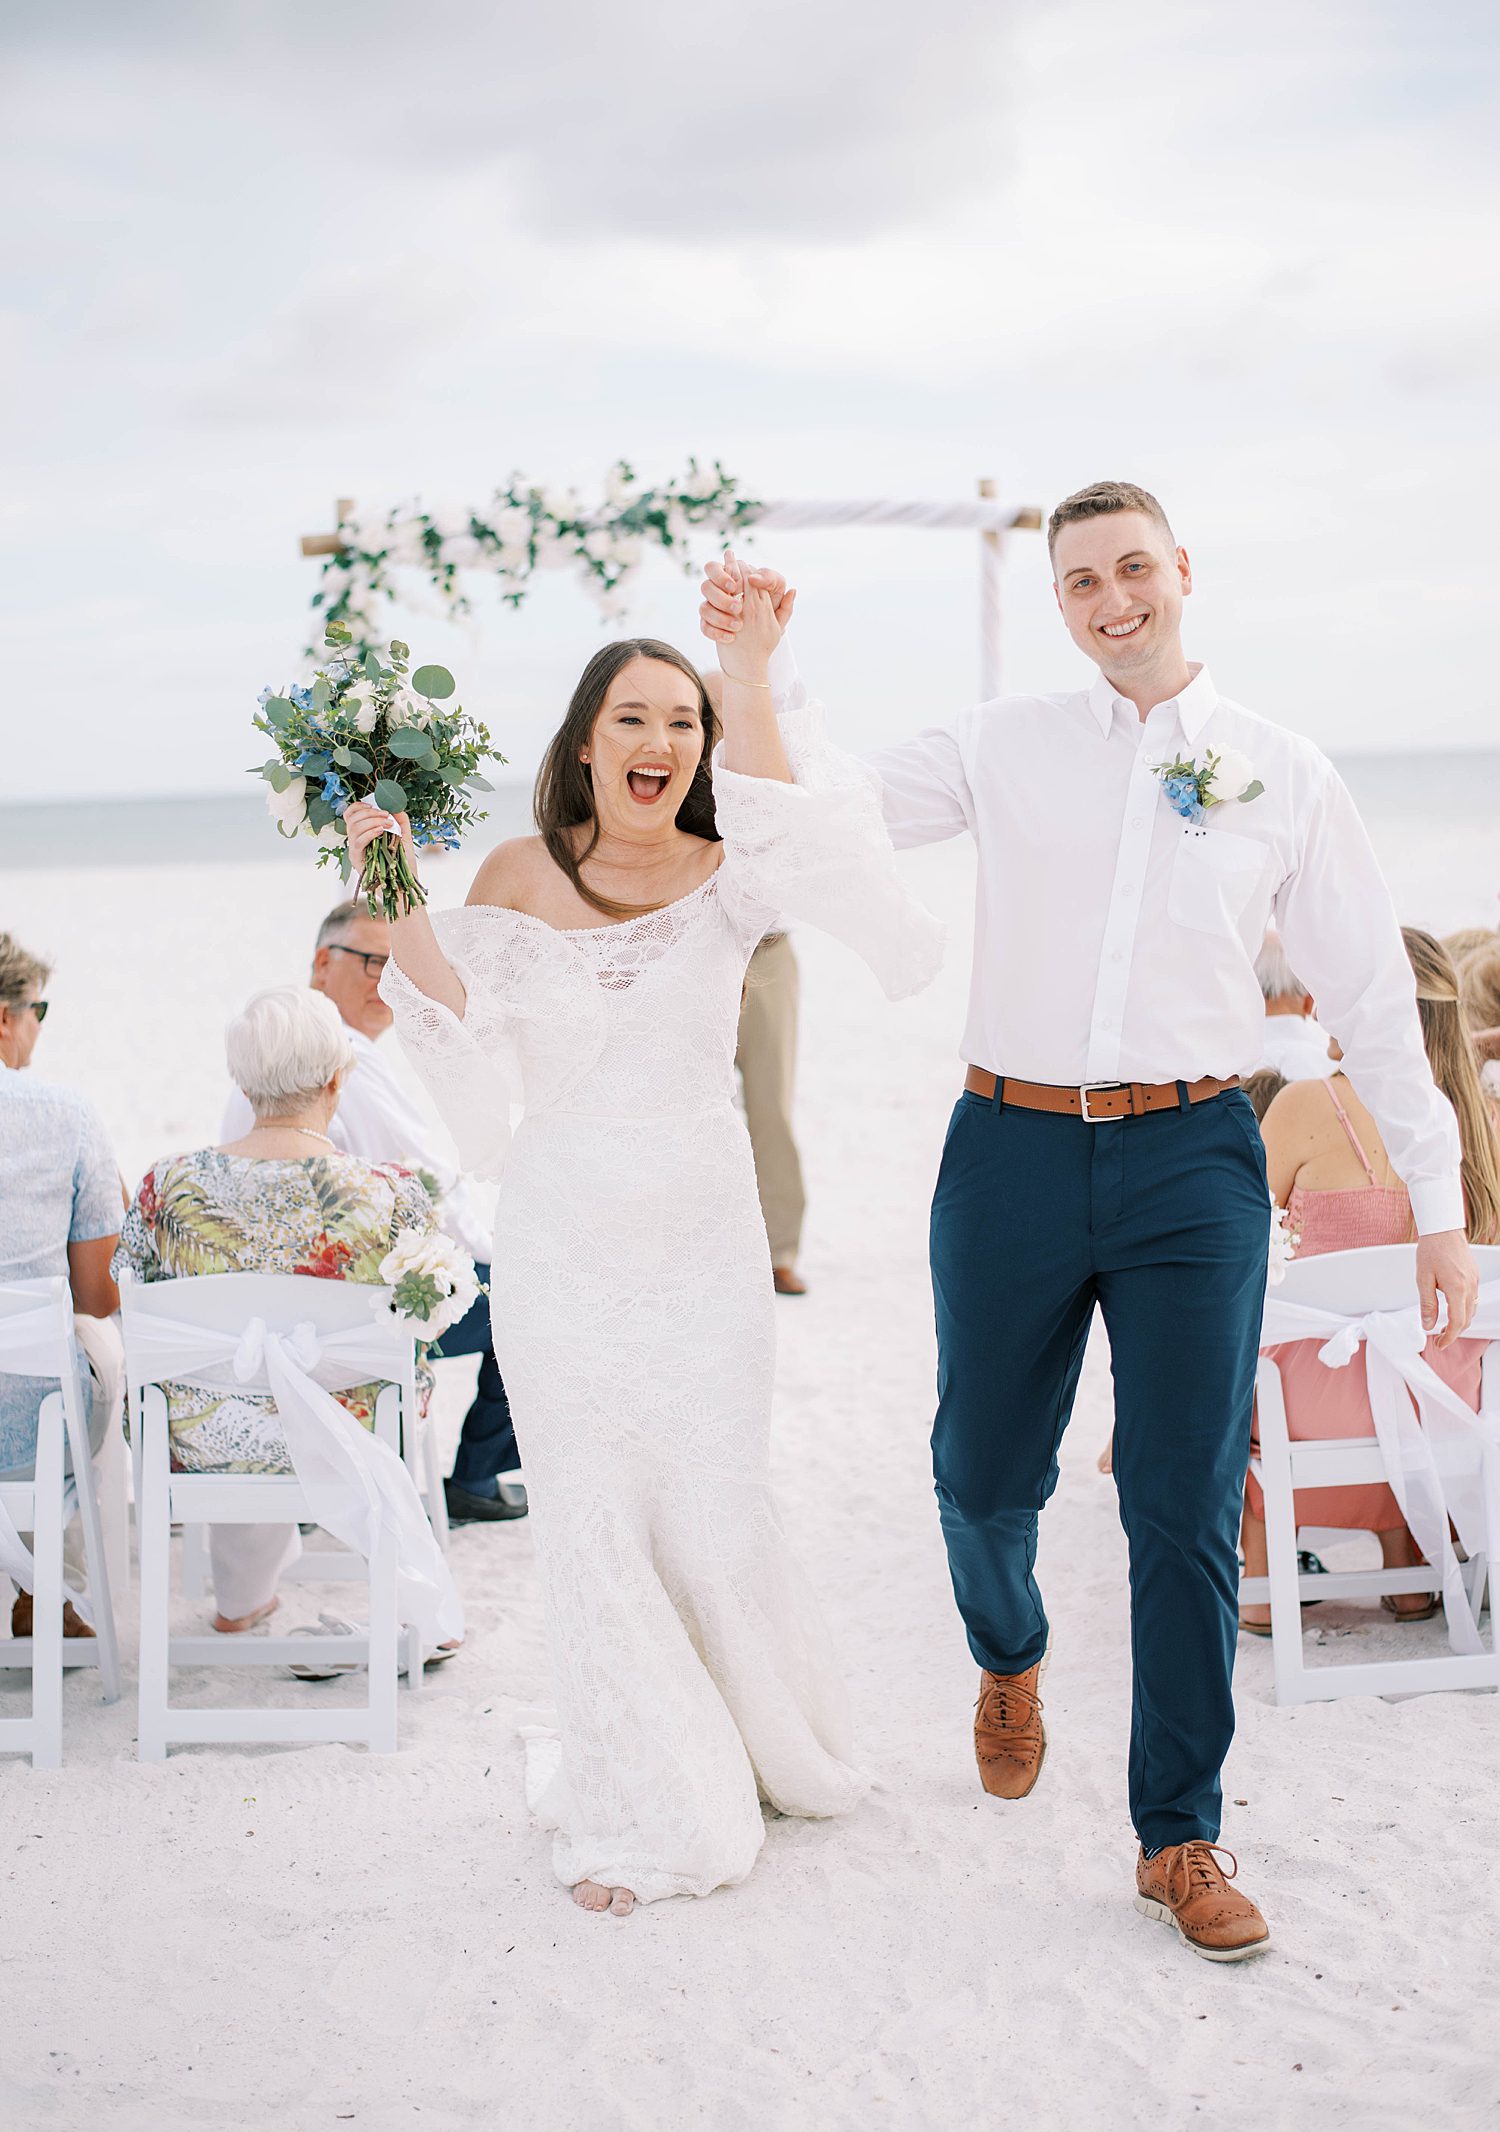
(1195, 704)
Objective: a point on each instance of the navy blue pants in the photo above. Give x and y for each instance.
(487, 1445)
(1161, 1221)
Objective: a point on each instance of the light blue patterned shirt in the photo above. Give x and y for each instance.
(59, 1185)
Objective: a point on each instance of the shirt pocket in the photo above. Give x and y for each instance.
(1214, 875)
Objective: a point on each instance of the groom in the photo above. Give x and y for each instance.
(1135, 839)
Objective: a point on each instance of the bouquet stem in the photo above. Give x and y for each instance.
(388, 884)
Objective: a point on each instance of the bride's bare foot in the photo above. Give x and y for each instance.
(246, 1621)
(593, 1895)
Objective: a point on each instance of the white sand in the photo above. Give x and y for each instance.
(309, 1937)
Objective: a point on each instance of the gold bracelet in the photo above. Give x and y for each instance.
(748, 684)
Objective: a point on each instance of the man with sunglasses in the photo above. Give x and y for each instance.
(378, 1121)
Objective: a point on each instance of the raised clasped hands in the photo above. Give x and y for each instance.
(746, 609)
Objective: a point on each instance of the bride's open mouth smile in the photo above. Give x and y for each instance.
(648, 782)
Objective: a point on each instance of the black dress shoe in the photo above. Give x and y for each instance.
(467, 1509)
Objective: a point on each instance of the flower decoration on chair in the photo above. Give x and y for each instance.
(1192, 788)
(1284, 1242)
(432, 1282)
(525, 528)
(367, 728)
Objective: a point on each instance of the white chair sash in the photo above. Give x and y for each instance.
(355, 1485)
(1443, 1460)
(28, 1348)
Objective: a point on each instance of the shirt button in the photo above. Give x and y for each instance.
(1117, 956)
(1139, 822)
(1128, 889)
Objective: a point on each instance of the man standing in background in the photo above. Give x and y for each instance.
(1292, 1042)
(767, 1060)
(377, 1121)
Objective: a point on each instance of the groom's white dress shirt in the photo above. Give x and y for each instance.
(1115, 942)
(377, 1120)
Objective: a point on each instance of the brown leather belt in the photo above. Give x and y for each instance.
(1100, 1100)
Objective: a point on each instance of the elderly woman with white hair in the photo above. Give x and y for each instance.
(280, 1199)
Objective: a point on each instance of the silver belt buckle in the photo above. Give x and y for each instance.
(1083, 1099)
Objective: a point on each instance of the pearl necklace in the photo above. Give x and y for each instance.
(294, 1129)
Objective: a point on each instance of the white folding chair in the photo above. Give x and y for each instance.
(228, 1303)
(322, 1565)
(37, 1318)
(1352, 1284)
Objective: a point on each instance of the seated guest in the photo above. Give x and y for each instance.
(280, 1198)
(1470, 940)
(1328, 1167)
(1479, 989)
(1262, 1088)
(377, 1120)
(60, 1202)
(1291, 1042)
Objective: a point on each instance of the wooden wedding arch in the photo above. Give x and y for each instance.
(420, 540)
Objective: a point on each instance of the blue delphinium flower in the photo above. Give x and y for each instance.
(335, 791)
(302, 697)
(1182, 795)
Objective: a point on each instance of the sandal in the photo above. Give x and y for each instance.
(1402, 1613)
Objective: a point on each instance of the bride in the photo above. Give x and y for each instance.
(597, 972)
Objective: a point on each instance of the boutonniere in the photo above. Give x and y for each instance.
(1192, 788)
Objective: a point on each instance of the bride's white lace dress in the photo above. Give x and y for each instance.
(632, 1307)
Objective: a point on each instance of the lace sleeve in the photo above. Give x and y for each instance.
(470, 1067)
(819, 849)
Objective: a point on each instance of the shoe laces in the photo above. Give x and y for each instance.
(1197, 1867)
(996, 1700)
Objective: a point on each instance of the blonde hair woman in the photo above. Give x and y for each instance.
(1328, 1166)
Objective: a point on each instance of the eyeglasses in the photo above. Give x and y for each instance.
(39, 1008)
(374, 964)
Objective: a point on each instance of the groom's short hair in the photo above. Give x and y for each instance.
(1101, 499)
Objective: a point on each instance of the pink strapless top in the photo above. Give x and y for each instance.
(1343, 1221)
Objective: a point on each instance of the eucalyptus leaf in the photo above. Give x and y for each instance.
(356, 761)
(478, 783)
(279, 775)
(322, 694)
(399, 650)
(389, 794)
(319, 813)
(342, 757)
(434, 682)
(412, 742)
(1252, 792)
(316, 764)
(373, 666)
(278, 710)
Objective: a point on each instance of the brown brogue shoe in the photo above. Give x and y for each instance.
(21, 1615)
(1184, 1886)
(1010, 1744)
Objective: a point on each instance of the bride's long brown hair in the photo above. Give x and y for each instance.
(1450, 1053)
(564, 797)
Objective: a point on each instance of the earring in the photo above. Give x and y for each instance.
(584, 757)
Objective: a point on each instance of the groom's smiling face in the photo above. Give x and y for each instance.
(1120, 584)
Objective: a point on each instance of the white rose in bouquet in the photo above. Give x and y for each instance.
(366, 710)
(288, 808)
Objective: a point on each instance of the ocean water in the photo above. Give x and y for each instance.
(1459, 792)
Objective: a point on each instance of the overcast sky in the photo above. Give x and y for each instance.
(270, 254)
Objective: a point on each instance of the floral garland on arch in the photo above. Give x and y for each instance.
(526, 528)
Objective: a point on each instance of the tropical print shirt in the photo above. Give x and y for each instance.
(332, 1216)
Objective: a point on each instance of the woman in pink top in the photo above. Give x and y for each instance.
(1328, 1167)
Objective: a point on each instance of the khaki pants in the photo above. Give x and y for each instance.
(767, 1060)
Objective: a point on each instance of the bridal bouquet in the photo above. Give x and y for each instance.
(367, 728)
(432, 1282)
